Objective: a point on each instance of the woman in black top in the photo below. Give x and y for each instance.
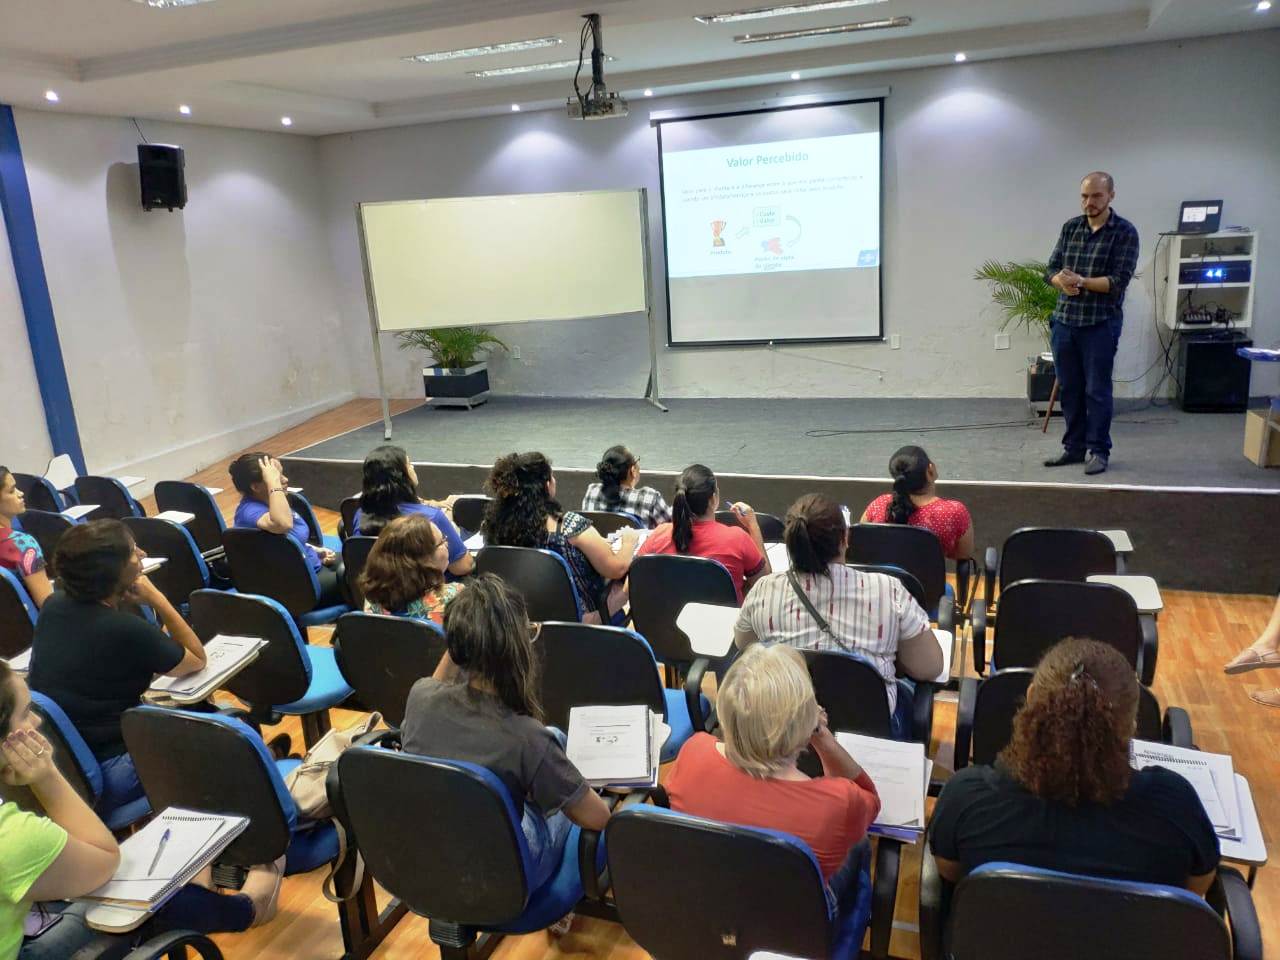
(1063, 796)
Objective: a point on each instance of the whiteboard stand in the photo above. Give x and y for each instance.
(373, 325)
(651, 393)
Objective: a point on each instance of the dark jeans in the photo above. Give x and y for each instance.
(903, 711)
(332, 586)
(120, 784)
(1083, 358)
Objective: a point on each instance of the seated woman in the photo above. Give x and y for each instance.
(93, 658)
(391, 490)
(768, 714)
(915, 501)
(524, 513)
(694, 530)
(481, 706)
(264, 505)
(404, 575)
(1062, 794)
(868, 614)
(617, 491)
(70, 852)
(19, 552)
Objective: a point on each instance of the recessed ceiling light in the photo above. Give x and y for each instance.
(648, 92)
(484, 51)
(286, 121)
(1263, 6)
(759, 13)
(824, 31)
(51, 96)
(515, 108)
(795, 74)
(168, 4)
(960, 57)
(528, 68)
(184, 110)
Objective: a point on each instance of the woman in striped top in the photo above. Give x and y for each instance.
(870, 615)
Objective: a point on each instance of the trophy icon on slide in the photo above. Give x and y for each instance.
(717, 228)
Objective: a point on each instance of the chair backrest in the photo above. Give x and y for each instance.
(271, 565)
(660, 585)
(472, 832)
(208, 761)
(206, 529)
(282, 671)
(184, 570)
(47, 528)
(914, 549)
(587, 665)
(852, 692)
(771, 526)
(468, 511)
(692, 889)
(112, 497)
(1052, 915)
(39, 493)
(908, 580)
(383, 657)
(1036, 614)
(17, 616)
(347, 513)
(355, 554)
(608, 521)
(1055, 553)
(541, 576)
(1002, 694)
(70, 753)
(302, 507)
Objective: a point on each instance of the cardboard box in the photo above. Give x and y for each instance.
(1253, 426)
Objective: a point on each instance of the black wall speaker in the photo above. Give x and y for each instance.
(164, 178)
(1211, 377)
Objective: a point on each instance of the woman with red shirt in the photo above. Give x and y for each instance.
(769, 714)
(914, 501)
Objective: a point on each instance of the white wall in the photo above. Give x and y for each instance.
(981, 161)
(24, 441)
(190, 334)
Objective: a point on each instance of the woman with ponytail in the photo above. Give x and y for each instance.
(694, 530)
(618, 490)
(868, 614)
(1062, 794)
(915, 501)
(524, 513)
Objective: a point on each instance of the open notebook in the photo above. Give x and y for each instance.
(1210, 774)
(227, 656)
(900, 772)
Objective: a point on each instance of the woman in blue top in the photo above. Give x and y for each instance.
(390, 490)
(264, 505)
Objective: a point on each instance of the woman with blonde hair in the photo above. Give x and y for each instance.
(769, 714)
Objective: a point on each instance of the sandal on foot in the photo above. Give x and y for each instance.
(1252, 659)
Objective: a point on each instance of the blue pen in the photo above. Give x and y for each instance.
(164, 838)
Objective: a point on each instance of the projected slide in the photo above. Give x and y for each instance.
(772, 224)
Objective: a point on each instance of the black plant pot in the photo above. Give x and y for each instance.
(456, 386)
(1040, 377)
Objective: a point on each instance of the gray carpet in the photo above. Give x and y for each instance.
(1155, 446)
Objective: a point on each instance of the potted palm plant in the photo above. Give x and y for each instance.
(456, 378)
(1019, 289)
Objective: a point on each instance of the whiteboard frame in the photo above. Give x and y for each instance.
(651, 393)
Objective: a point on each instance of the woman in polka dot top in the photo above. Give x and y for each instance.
(915, 502)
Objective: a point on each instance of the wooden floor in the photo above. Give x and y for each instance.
(1198, 633)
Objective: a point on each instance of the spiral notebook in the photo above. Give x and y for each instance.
(1211, 775)
(153, 868)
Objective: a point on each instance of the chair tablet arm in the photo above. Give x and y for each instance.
(932, 904)
(990, 566)
(884, 895)
(922, 713)
(1150, 649)
(1232, 893)
(693, 694)
(1177, 728)
(595, 884)
(964, 580)
(978, 624)
(947, 615)
(175, 943)
(964, 721)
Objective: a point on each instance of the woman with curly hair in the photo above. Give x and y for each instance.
(1062, 794)
(404, 575)
(524, 513)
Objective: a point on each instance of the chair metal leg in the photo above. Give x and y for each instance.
(314, 726)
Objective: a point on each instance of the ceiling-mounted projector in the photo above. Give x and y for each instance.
(597, 103)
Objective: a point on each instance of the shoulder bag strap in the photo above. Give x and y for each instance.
(813, 611)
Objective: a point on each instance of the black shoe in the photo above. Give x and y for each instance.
(280, 745)
(1097, 463)
(1065, 460)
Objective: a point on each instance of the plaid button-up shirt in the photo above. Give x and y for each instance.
(1111, 251)
(643, 502)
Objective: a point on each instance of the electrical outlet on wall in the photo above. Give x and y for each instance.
(895, 341)
(515, 353)
(1002, 341)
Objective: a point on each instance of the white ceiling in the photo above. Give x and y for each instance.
(335, 65)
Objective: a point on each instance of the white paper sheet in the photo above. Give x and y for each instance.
(611, 744)
(898, 770)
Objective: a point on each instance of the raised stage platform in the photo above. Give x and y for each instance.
(1201, 515)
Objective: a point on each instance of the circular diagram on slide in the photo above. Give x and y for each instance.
(773, 231)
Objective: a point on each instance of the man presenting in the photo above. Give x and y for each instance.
(1091, 266)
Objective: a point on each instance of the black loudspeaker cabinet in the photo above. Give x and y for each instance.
(163, 174)
(1211, 377)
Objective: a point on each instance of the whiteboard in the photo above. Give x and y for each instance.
(478, 260)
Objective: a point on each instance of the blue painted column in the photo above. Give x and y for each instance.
(33, 287)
